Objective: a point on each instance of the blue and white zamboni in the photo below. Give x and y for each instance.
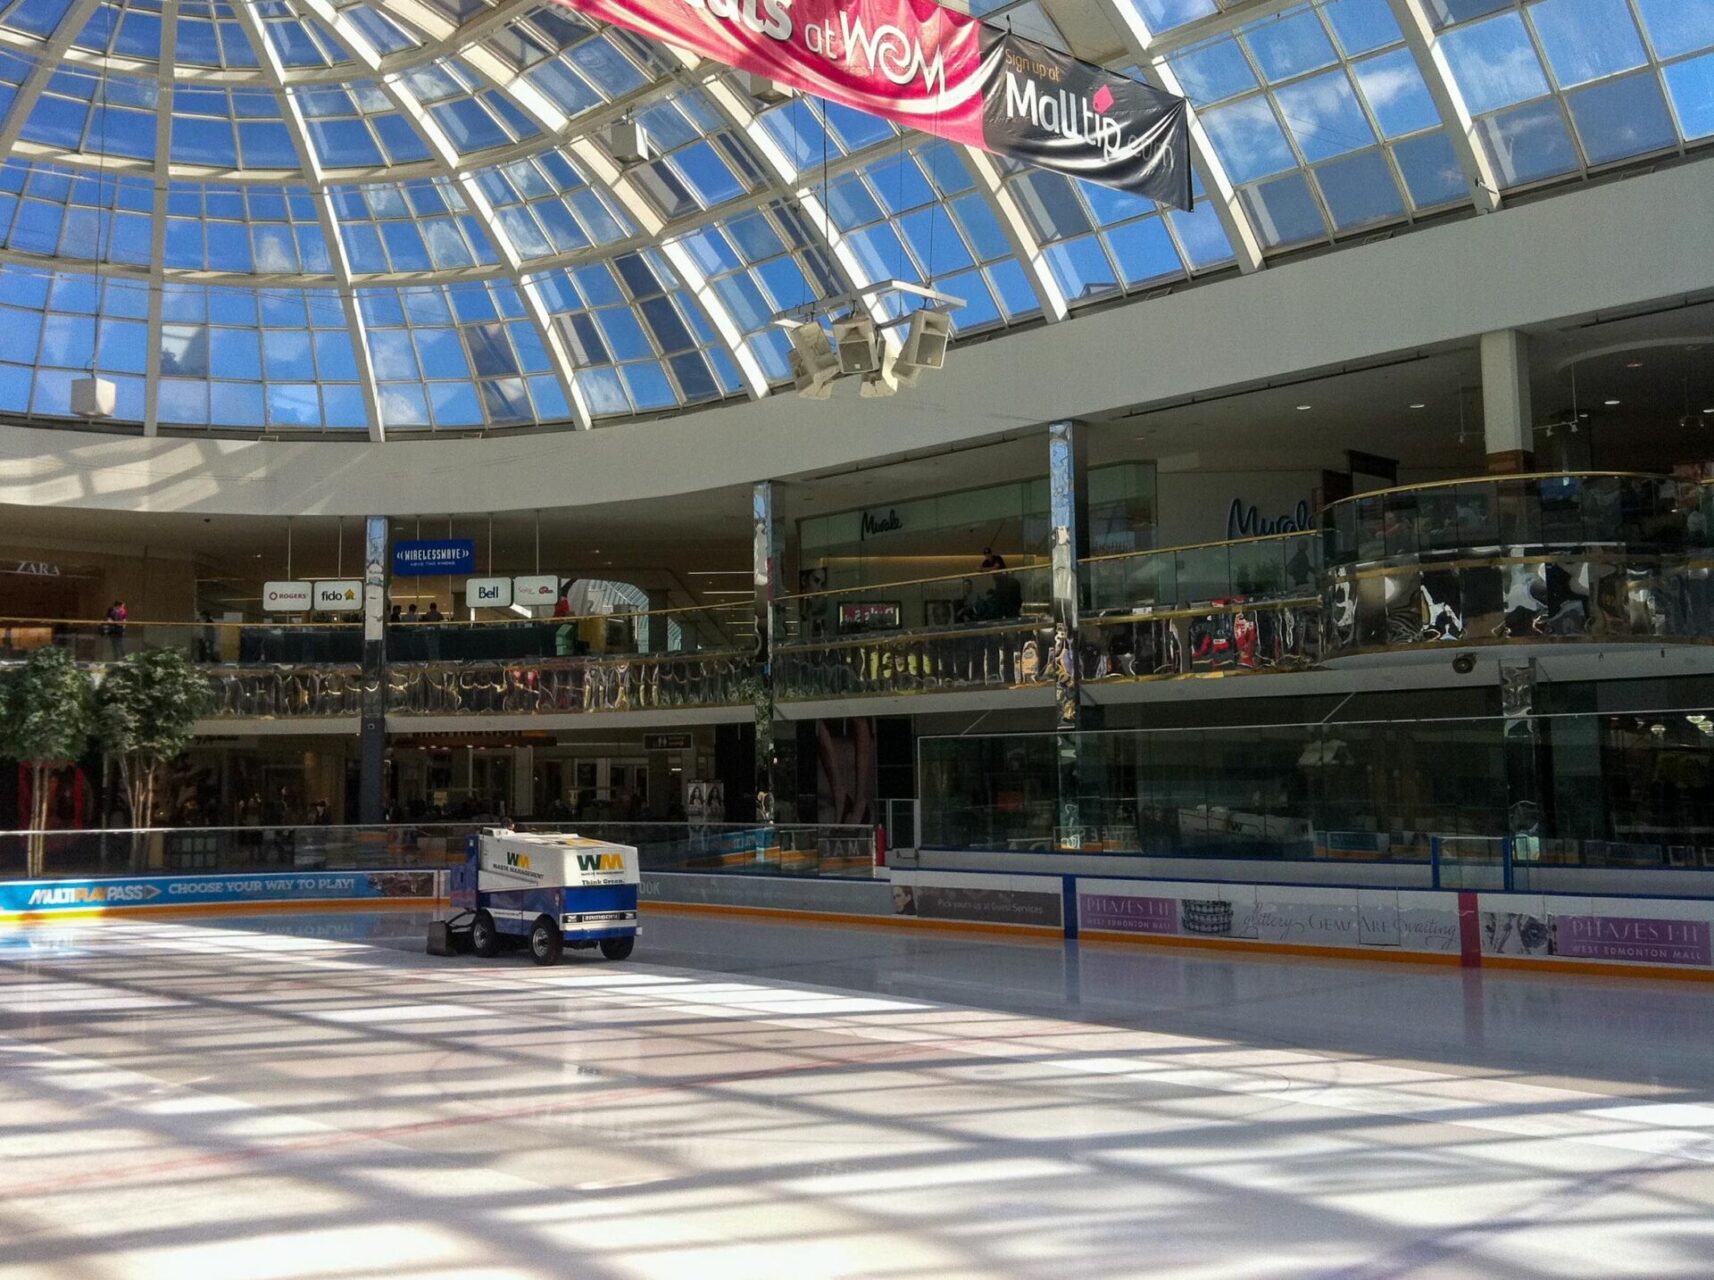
(546, 891)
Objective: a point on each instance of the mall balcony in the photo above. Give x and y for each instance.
(1580, 562)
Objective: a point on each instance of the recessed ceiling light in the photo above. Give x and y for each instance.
(1304, 407)
(1633, 364)
(1419, 406)
(1609, 403)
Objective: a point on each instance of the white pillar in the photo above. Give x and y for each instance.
(1507, 417)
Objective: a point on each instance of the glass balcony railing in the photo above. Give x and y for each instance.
(1605, 791)
(1636, 513)
(1591, 557)
(1280, 567)
(724, 848)
(918, 606)
(630, 682)
(1252, 604)
(964, 631)
(327, 642)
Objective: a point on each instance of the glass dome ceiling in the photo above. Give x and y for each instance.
(396, 217)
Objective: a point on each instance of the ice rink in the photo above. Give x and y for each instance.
(314, 1097)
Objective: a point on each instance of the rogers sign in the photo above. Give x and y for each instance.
(944, 73)
(287, 597)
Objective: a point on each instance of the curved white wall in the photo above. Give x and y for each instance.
(1606, 246)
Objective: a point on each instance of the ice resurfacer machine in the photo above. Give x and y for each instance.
(546, 891)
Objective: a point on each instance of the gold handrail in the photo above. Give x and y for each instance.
(199, 623)
(1200, 546)
(1042, 568)
(1502, 479)
(909, 582)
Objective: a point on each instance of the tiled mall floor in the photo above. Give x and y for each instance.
(314, 1097)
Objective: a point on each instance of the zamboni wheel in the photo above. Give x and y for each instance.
(546, 941)
(617, 948)
(484, 937)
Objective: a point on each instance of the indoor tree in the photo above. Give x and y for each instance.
(146, 709)
(45, 721)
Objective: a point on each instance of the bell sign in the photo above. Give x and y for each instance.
(487, 593)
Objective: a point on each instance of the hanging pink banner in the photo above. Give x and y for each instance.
(942, 73)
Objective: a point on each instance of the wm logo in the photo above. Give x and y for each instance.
(600, 862)
(519, 860)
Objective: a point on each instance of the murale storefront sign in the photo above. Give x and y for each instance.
(878, 522)
(1246, 521)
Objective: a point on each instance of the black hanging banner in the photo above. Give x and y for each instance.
(1056, 112)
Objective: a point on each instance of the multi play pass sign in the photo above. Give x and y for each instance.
(340, 595)
(487, 593)
(537, 589)
(287, 597)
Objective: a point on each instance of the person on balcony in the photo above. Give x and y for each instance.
(565, 635)
(991, 562)
(114, 629)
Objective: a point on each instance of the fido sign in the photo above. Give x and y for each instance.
(341, 595)
(487, 593)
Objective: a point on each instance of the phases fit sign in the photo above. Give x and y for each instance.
(943, 72)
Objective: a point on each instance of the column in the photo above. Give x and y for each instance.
(765, 564)
(1508, 427)
(1068, 517)
(655, 628)
(1523, 775)
(372, 748)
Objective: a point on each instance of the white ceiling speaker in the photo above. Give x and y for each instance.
(765, 90)
(925, 344)
(813, 363)
(808, 384)
(884, 381)
(858, 343)
(94, 398)
(628, 142)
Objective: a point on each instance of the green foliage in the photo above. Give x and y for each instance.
(48, 712)
(148, 705)
(47, 717)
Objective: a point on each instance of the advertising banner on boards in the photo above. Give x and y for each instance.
(942, 72)
(28, 897)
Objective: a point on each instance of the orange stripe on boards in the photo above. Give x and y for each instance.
(1387, 954)
(1521, 964)
(223, 909)
(881, 922)
(1597, 968)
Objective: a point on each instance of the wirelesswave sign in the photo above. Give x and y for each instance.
(941, 72)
